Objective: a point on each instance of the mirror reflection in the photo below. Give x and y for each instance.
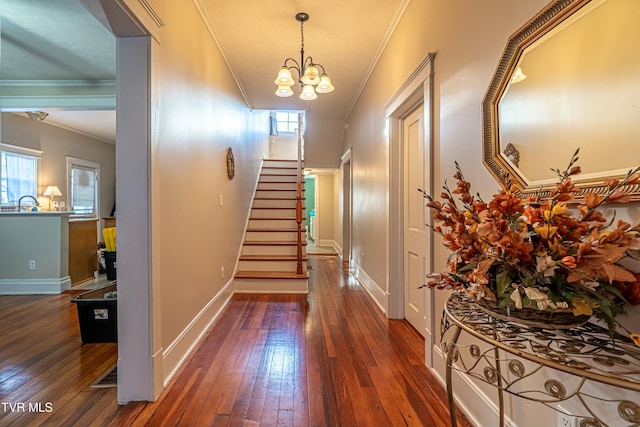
(582, 89)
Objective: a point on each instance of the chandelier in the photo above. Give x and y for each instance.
(310, 79)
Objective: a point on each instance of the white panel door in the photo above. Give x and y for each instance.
(415, 233)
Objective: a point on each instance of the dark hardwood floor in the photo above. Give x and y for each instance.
(327, 359)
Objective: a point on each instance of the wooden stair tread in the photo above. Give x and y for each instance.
(270, 275)
(278, 198)
(276, 182)
(281, 218)
(271, 258)
(271, 243)
(275, 207)
(288, 190)
(279, 167)
(267, 230)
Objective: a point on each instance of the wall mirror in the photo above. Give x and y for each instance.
(568, 79)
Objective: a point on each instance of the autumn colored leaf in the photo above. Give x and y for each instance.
(616, 273)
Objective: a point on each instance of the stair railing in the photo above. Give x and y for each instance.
(299, 196)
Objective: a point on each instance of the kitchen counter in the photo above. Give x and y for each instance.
(34, 252)
(38, 213)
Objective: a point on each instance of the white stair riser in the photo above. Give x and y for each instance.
(273, 213)
(279, 265)
(273, 236)
(278, 178)
(289, 194)
(273, 223)
(279, 164)
(275, 203)
(286, 186)
(271, 286)
(286, 170)
(272, 250)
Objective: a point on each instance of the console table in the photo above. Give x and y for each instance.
(562, 365)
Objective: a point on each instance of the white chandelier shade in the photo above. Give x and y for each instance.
(308, 93)
(284, 78)
(325, 85)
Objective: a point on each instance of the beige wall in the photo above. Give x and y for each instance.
(469, 38)
(200, 112)
(56, 144)
(322, 142)
(325, 208)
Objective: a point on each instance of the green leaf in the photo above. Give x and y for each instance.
(468, 267)
(503, 283)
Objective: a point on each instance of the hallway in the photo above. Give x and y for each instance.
(327, 359)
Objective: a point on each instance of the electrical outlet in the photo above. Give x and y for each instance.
(32, 264)
(221, 200)
(565, 419)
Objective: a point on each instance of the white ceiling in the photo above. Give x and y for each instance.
(60, 40)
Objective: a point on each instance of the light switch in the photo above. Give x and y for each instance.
(221, 201)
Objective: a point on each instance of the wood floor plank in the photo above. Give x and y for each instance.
(325, 359)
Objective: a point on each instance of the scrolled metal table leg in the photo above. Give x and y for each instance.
(450, 352)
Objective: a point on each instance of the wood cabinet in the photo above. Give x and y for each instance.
(83, 249)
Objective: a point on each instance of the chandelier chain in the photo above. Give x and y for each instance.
(302, 45)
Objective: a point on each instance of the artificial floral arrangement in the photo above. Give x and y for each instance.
(545, 255)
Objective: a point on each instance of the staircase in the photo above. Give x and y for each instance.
(269, 259)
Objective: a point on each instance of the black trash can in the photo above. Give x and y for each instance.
(110, 264)
(98, 315)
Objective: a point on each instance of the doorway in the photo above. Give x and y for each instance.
(406, 271)
(415, 231)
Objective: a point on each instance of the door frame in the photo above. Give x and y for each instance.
(139, 349)
(418, 88)
(347, 191)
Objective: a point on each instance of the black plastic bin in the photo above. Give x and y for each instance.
(98, 315)
(110, 264)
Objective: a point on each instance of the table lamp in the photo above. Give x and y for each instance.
(52, 191)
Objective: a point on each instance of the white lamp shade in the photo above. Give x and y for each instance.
(284, 91)
(284, 78)
(308, 94)
(518, 76)
(311, 76)
(325, 85)
(52, 191)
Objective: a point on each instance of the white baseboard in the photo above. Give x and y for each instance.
(34, 286)
(177, 352)
(329, 243)
(378, 295)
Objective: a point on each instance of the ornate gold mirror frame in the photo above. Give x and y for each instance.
(503, 162)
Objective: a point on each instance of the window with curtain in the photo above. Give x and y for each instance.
(18, 176)
(84, 186)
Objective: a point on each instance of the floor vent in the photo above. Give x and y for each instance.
(109, 379)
